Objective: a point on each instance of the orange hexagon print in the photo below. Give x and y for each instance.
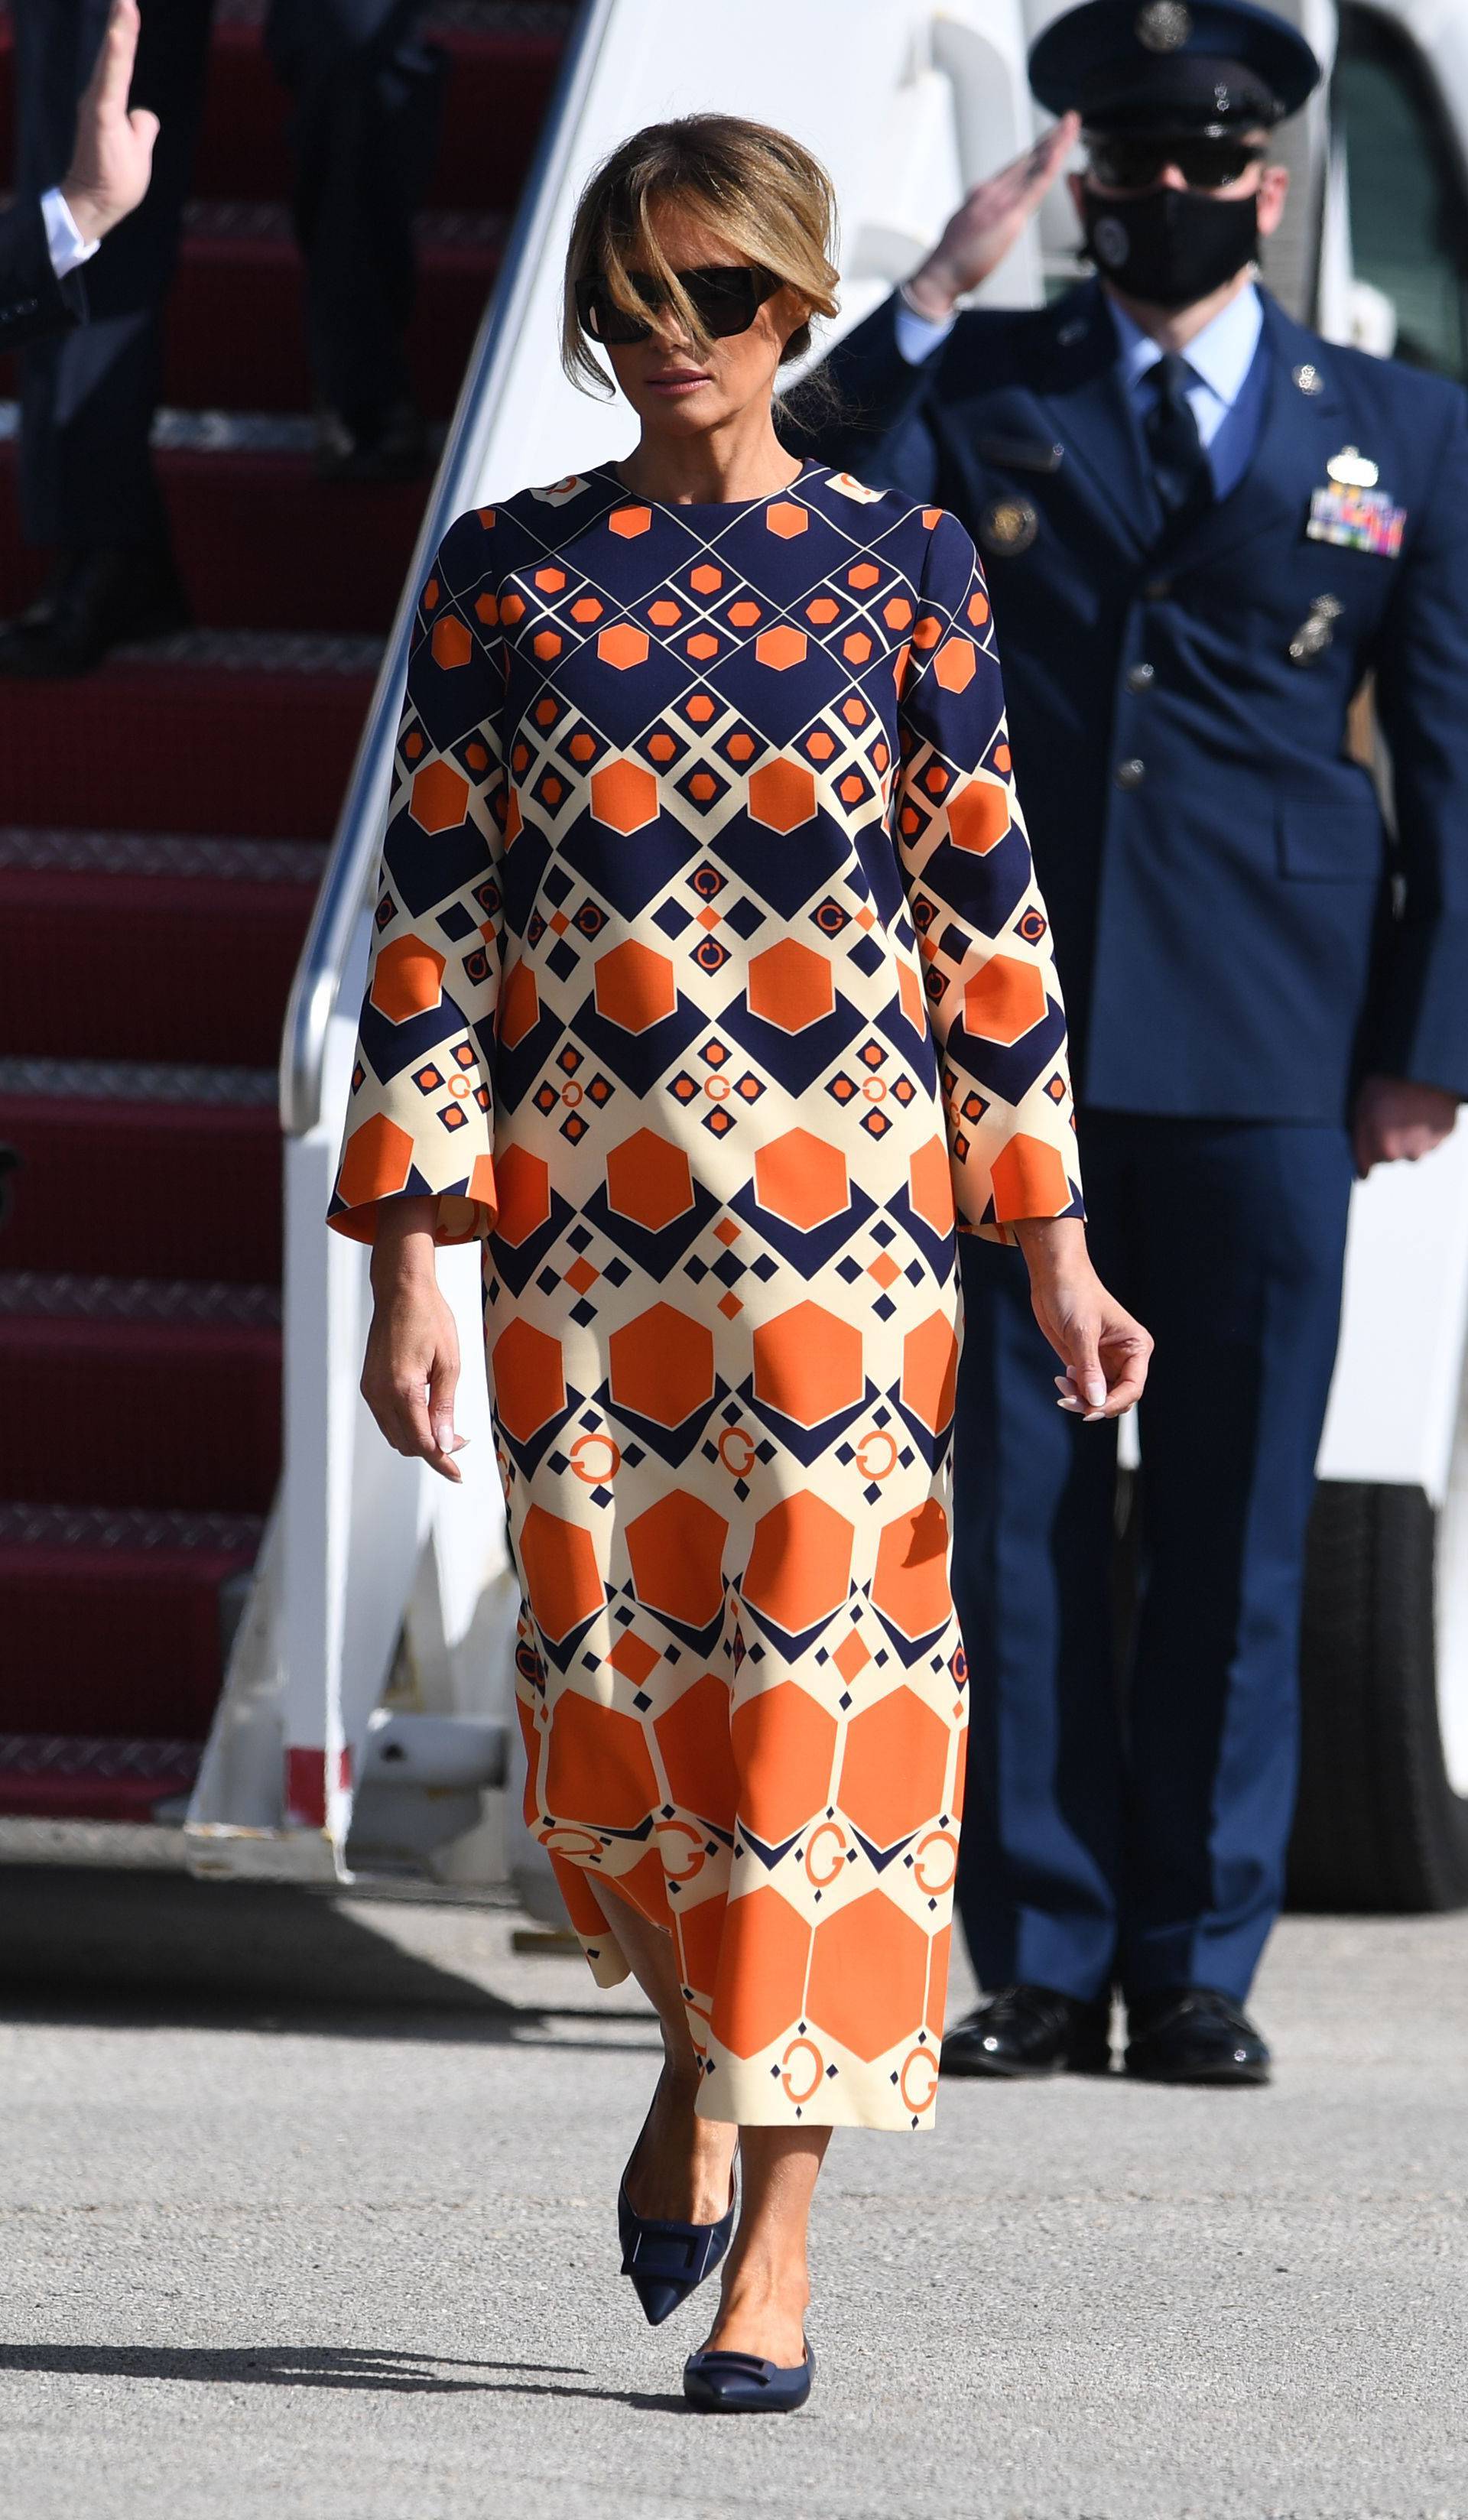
(711, 989)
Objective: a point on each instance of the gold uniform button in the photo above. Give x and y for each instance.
(1130, 774)
(1157, 590)
(1141, 678)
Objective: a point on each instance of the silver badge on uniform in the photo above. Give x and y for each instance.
(1164, 25)
(1355, 468)
(1317, 630)
(1008, 526)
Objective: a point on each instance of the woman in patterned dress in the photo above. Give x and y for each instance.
(711, 991)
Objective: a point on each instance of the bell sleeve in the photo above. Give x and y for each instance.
(420, 1119)
(983, 936)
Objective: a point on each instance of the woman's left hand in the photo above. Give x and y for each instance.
(1104, 1352)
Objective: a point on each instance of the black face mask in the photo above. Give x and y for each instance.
(1169, 247)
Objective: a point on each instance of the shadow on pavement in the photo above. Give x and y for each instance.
(320, 2366)
(511, 2026)
(125, 1949)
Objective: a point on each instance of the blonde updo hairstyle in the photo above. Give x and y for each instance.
(764, 196)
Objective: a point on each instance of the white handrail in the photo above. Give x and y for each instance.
(354, 846)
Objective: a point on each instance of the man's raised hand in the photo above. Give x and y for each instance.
(987, 220)
(111, 157)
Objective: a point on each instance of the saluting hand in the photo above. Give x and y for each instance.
(111, 157)
(987, 220)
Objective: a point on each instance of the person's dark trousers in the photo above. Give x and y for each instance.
(87, 398)
(366, 92)
(1129, 1828)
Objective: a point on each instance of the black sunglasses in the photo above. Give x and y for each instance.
(1131, 161)
(725, 297)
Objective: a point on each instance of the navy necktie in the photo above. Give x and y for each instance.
(1180, 464)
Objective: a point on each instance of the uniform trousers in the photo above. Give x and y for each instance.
(365, 93)
(1132, 1768)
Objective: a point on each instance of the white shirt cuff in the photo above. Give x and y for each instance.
(918, 336)
(64, 242)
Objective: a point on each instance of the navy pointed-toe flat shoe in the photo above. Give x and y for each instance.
(743, 2384)
(667, 2260)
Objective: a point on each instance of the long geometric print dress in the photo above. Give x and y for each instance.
(709, 980)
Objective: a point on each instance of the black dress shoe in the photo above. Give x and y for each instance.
(94, 601)
(390, 445)
(1024, 2030)
(1192, 2034)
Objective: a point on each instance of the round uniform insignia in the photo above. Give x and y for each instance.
(1110, 242)
(1164, 25)
(1008, 526)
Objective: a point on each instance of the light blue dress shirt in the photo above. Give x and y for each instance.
(1225, 399)
(1226, 393)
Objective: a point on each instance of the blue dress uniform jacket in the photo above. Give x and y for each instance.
(1235, 937)
(32, 300)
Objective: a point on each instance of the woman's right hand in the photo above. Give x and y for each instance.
(411, 1371)
(987, 221)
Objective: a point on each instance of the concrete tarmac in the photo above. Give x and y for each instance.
(307, 2215)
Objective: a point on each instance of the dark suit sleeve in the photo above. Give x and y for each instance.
(1421, 1030)
(32, 300)
(868, 412)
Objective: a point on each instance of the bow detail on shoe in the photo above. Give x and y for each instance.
(667, 2260)
(679, 2252)
(728, 2383)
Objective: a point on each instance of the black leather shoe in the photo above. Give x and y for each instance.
(1024, 2030)
(94, 601)
(1192, 2034)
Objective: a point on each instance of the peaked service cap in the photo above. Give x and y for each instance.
(1172, 65)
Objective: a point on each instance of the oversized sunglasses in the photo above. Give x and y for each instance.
(1131, 161)
(725, 297)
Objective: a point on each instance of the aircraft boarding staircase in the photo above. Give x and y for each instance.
(163, 828)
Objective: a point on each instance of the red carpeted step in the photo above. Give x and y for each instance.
(262, 543)
(236, 332)
(146, 966)
(150, 1582)
(54, 1775)
(228, 733)
(149, 1187)
(502, 69)
(63, 1792)
(498, 82)
(60, 1792)
(140, 1412)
